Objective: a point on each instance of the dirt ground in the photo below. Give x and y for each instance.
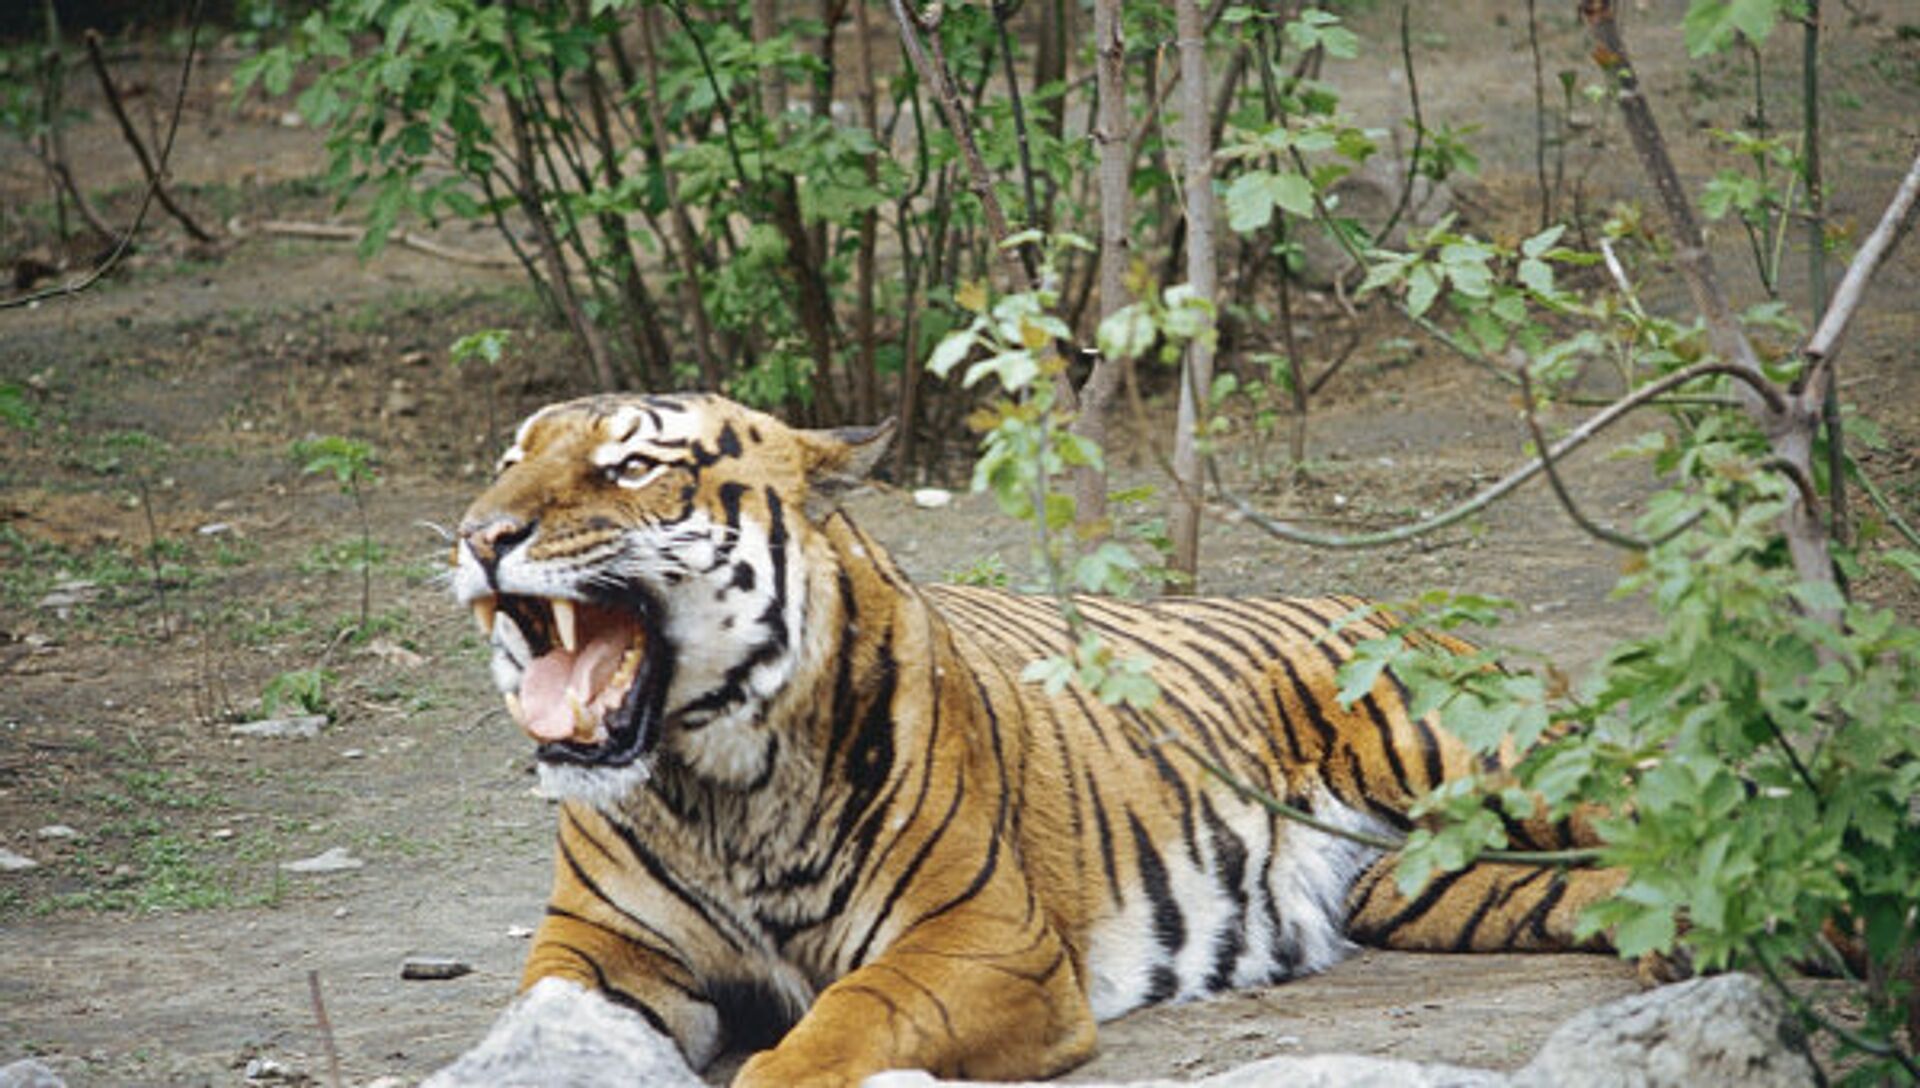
(159, 941)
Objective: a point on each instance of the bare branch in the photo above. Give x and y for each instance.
(1593, 528)
(155, 177)
(1690, 253)
(1787, 423)
(74, 287)
(1574, 440)
(337, 232)
(1825, 342)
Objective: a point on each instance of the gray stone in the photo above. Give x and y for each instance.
(11, 862)
(28, 1073)
(433, 968)
(558, 1033)
(66, 595)
(332, 861)
(56, 831)
(1729, 1029)
(301, 727)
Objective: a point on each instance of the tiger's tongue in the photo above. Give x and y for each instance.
(555, 675)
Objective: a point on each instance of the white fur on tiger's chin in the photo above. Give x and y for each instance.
(561, 1033)
(600, 787)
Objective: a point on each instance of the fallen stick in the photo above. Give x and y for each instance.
(335, 232)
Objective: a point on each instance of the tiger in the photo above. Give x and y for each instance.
(809, 808)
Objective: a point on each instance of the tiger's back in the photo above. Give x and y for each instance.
(1183, 885)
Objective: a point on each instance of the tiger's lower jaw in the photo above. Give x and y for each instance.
(600, 787)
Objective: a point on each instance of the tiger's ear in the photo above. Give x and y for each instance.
(840, 458)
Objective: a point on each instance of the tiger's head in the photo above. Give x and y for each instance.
(642, 567)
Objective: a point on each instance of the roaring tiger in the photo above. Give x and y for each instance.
(811, 806)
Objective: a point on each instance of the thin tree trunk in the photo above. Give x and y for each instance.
(656, 358)
(813, 305)
(1196, 371)
(526, 189)
(930, 62)
(1110, 135)
(687, 241)
(865, 379)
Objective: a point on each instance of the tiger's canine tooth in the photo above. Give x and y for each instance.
(483, 613)
(514, 708)
(565, 621)
(584, 727)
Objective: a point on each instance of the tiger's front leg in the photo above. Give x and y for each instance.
(970, 993)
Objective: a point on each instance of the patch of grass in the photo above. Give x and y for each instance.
(989, 570)
(348, 556)
(164, 789)
(169, 872)
(264, 626)
(300, 690)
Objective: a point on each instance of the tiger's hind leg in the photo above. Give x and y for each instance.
(1485, 907)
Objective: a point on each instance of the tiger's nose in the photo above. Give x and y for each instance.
(491, 539)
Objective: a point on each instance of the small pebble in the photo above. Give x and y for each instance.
(11, 862)
(56, 831)
(519, 933)
(305, 726)
(332, 861)
(433, 968)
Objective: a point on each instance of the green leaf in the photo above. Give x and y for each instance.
(1127, 333)
(1249, 201)
(1711, 25)
(1423, 286)
(1538, 245)
(953, 348)
(1537, 275)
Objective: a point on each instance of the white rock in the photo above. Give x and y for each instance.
(1728, 1029)
(29, 1073)
(11, 862)
(301, 726)
(56, 831)
(932, 498)
(331, 861)
(560, 1033)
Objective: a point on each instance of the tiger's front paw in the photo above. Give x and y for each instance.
(781, 1067)
(560, 1032)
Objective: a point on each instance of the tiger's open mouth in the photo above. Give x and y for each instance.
(592, 692)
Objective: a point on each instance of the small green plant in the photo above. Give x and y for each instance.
(988, 571)
(488, 346)
(350, 463)
(300, 690)
(15, 410)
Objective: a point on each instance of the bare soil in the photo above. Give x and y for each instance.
(163, 944)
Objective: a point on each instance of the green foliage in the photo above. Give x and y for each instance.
(302, 691)
(350, 463)
(487, 346)
(1757, 762)
(989, 571)
(347, 460)
(1713, 25)
(15, 410)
